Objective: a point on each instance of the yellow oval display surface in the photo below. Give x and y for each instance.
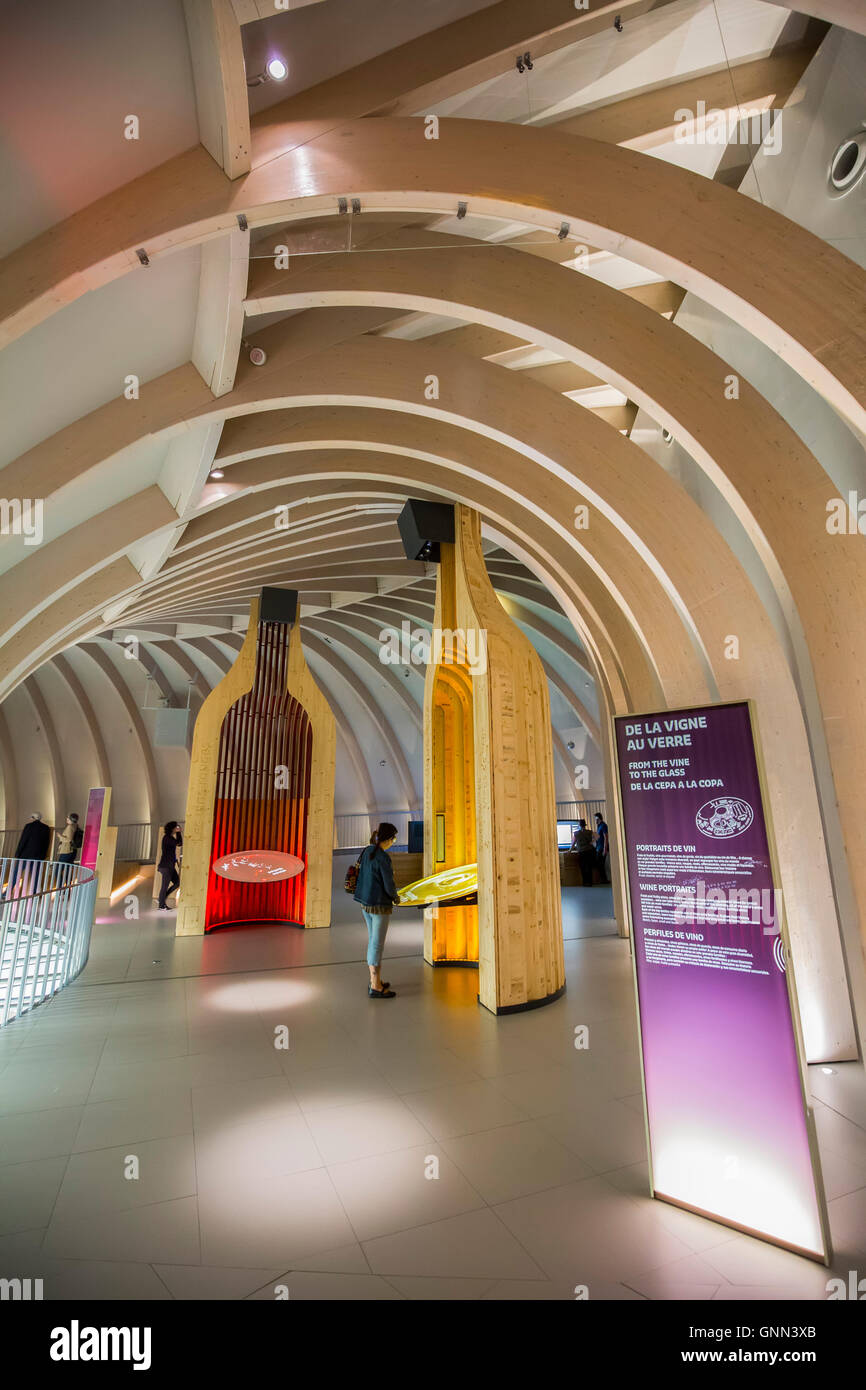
(448, 883)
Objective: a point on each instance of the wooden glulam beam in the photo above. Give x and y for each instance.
(222, 101)
(82, 699)
(55, 756)
(649, 119)
(441, 63)
(796, 293)
(98, 655)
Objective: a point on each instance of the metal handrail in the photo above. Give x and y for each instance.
(352, 829)
(577, 810)
(44, 930)
(137, 841)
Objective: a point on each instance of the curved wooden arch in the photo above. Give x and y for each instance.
(611, 633)
(173, 648)
(396, 604)
(781, 504)
(10, 775)
(617, 338)
(382, 725)
(78, 693)
(790, 289)
(323, 626)
(52, 744)
(380, 721)
(106, 666)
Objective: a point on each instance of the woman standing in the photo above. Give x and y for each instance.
(69, 840)
(376, 893)
(167, 865)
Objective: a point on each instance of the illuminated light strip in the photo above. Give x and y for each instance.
(124, 887)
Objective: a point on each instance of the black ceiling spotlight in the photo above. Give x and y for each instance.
(617, 24)
(524, 63)
(423, 526)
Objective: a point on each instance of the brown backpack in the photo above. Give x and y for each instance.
(351, 881)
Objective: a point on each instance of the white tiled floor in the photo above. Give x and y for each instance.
(416, 1149)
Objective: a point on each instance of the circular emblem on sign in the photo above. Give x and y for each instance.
(258, 866)
(779, 954)
(724, 817)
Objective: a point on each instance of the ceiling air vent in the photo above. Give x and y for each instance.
(848, 164)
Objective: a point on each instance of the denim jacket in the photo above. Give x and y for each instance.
(375, 886)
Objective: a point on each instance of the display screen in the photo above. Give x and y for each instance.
(726, 1115)
(458, 882)
(564, 833)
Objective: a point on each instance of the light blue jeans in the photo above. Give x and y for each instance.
(377, 930)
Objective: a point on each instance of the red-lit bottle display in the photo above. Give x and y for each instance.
(262, 790)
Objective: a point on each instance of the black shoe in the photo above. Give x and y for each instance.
(383, 993)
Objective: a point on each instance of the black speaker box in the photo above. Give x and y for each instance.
(423, 526)
(278, 606)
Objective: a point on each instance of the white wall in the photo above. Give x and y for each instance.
(69, 75)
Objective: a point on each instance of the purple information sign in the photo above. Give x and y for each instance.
(728, 1129)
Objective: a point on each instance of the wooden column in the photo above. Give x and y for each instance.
(509, 812)
(307, 699)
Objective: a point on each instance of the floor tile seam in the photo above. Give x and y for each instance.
(351, 1223)
(138, 1206)
(50, 1220)
(483, 1203)
(89, 1091)
(229, 974)
(157, 1275)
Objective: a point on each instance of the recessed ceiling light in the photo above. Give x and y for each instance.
(217, 473)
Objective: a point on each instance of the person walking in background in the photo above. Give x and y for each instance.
(602, 844)
(167, 866)
(69, 839)
(582, 843)
(378, 896)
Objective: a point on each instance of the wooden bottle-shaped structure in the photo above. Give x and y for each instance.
(489, 793)
(261, 785)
